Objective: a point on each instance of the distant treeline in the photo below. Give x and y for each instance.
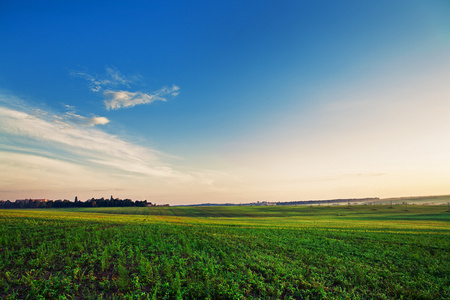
(44, 203)
(333, 201)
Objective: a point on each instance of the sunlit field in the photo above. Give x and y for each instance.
(289, 252)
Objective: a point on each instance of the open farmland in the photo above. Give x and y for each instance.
(366, 252)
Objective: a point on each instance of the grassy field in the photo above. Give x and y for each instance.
(289, 252)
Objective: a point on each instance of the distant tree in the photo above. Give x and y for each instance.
(101, 202)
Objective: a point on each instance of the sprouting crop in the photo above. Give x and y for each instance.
(226, 253)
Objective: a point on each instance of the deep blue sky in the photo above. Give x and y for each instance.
(246, 75)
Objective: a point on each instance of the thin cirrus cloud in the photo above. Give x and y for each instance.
(88, 121)
(124, 99)
(36, 131)
(111, 78)
(112, 85)
(72, 117)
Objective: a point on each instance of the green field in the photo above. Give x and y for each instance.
(273, 252)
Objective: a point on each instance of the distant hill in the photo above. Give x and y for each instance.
(440, 199)
(305, 202)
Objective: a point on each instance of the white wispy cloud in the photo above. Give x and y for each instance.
(86, 145)
(86, 121)
(72, 117)
(124, 99)
(115, 87)
(111, 78)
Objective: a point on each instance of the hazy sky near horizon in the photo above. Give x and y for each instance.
(224, 101)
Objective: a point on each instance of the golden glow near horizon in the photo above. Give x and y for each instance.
(390, 141)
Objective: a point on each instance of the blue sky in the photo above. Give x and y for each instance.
(231, 101)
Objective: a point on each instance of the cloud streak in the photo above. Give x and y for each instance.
(125, 99)
(111, 79)
(115, 88)
(87, 146)
(74, 118)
